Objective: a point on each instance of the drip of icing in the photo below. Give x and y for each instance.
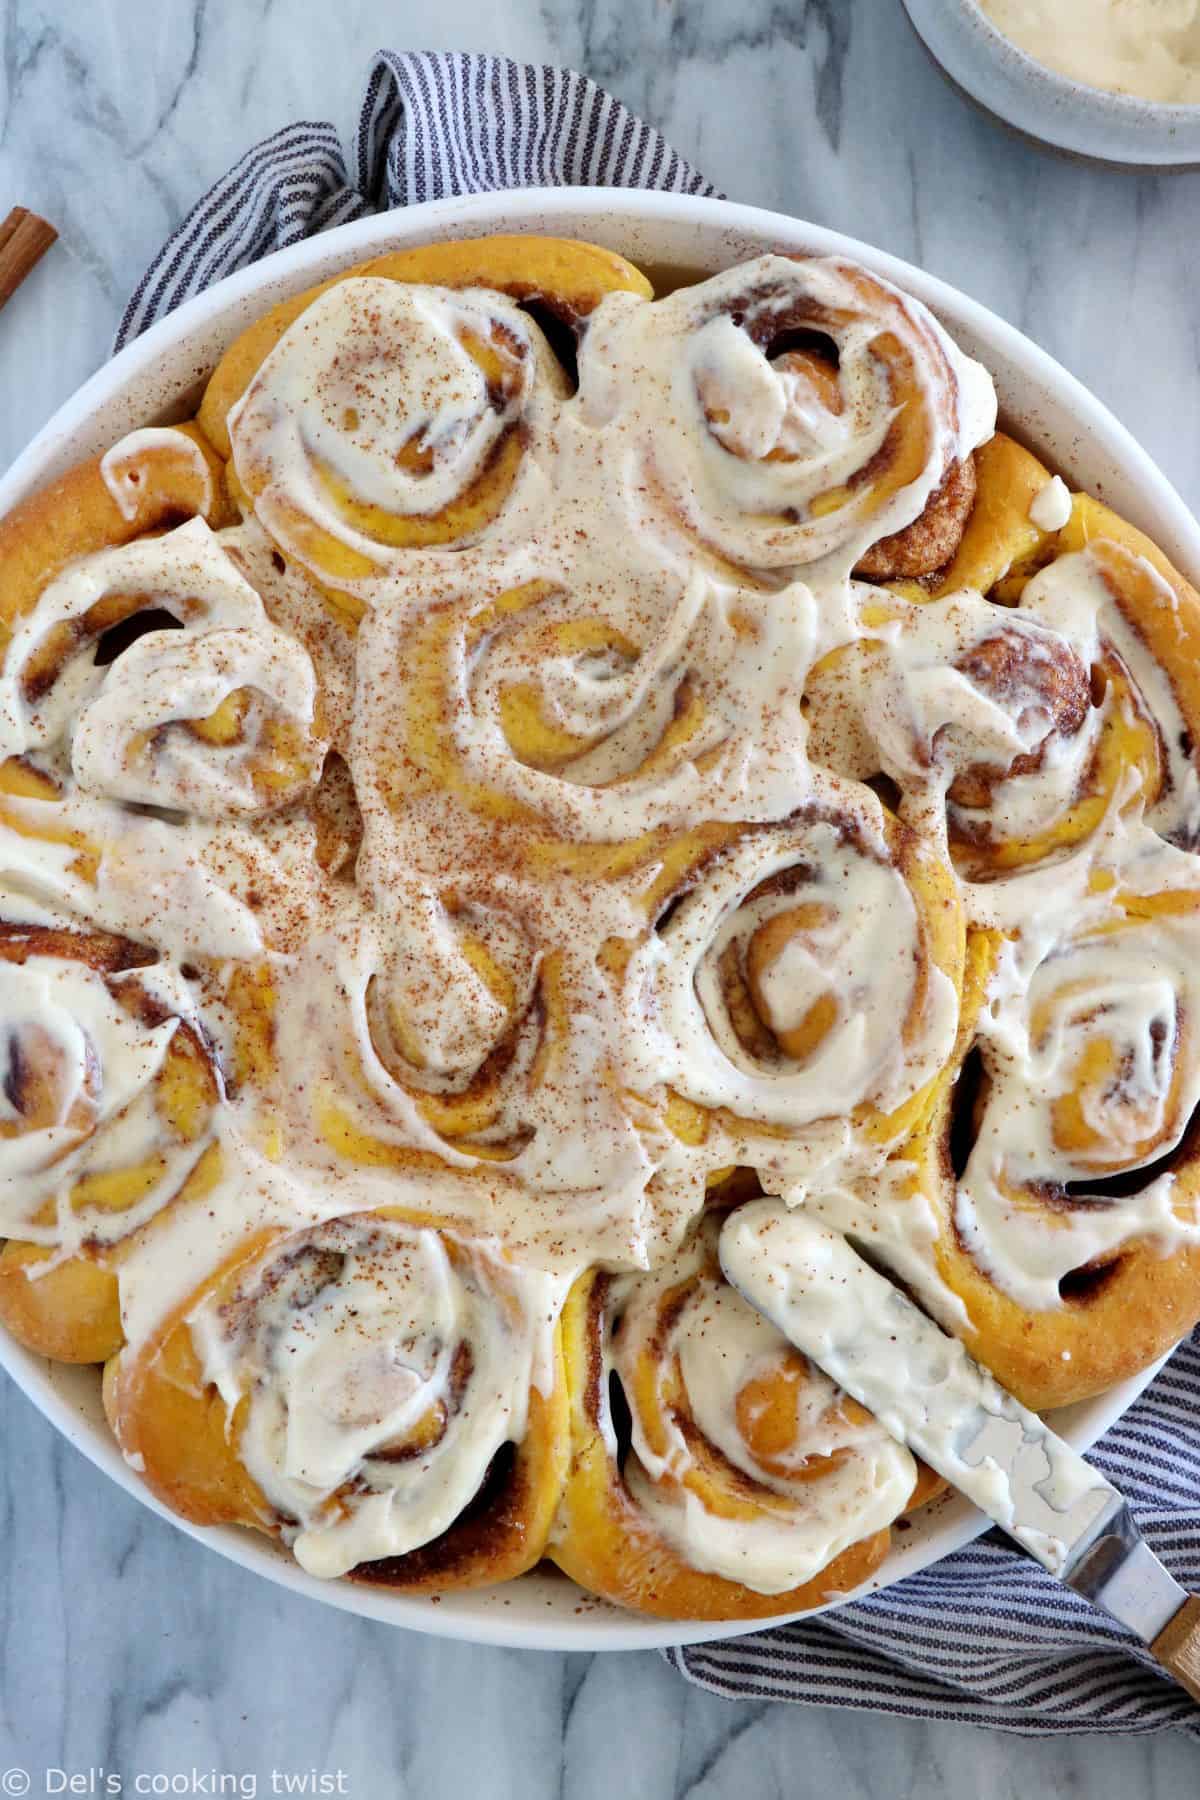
(1050, 507)
(126, 469)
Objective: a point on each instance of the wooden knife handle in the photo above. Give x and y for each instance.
(1177, 1646)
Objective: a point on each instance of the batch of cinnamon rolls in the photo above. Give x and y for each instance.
(531, 767)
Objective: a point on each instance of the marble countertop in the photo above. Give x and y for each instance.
(125, 1647)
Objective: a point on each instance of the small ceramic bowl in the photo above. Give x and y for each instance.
(1085, 121)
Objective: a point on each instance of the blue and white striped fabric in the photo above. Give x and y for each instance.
(984, 1637)
(988, 1638)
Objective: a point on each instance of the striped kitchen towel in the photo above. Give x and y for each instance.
(430, 124)
(984, 1636)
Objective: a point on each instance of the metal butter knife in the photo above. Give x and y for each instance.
(925, 1389)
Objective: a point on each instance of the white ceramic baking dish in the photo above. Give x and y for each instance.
(158, 378)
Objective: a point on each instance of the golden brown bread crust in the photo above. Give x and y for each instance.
(174, 1426)
(70, 1312)
(999, 536)
(932, 540)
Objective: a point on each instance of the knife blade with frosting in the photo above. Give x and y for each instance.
(925, 1389)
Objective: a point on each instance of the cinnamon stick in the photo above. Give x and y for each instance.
(24, 240)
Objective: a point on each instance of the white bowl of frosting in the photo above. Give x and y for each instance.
(1118, 80)
(156, 380)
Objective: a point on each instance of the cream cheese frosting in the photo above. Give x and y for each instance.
(397, 1356)
(610, 904)
(1147, 48)
(720, 1344)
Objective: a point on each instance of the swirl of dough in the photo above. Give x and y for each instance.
(466, 1066)
(765, 1003)
(788, 410)
(106, 1093)
(745, 1474)
(1090, 1062)
(441, 1035)
(373, 1373)
(597, 706)
(210, 724)
(962, 697)
(51, 677)
(392, 416)
(414, 1033)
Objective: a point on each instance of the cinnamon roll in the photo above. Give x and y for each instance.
(1129, 749)
(814, 412)
(1032, 719)
(144, 685)
(532, 764)
(1060, 1160)
(107, 1102)
(207, 712)
(336, 448)
(386, 1397)
(781, 1036)
(715, 1474)
(387, 413)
